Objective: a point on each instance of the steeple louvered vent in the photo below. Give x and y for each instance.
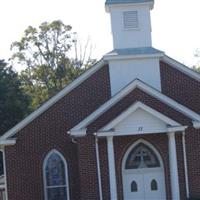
(130, 19)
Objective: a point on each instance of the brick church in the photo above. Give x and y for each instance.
(126, 129)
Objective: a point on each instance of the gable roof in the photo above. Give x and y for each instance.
(179, 66)
(80, 129)
(53, 100)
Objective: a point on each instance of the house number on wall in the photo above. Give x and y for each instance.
(140, 128)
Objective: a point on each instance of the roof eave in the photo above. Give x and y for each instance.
(52, 101)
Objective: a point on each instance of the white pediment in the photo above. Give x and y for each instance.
(140, 119)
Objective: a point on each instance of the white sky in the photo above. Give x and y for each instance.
(175, 24)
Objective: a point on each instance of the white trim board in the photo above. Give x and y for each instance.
(146, 88)
(53, 100)
(128, 133)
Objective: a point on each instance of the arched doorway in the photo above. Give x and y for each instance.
(143, 173)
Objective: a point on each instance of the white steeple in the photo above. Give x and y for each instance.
(133, 56)
(130, 22)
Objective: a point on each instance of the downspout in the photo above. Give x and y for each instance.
(98, 167)
(185, 164)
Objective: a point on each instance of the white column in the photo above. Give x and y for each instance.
(111, 164)
(173, 167)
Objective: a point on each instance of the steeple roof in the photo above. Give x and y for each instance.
(127, 1)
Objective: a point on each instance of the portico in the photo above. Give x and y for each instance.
(140, 120)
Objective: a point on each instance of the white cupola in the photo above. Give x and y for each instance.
(130, 22)
(133, 56)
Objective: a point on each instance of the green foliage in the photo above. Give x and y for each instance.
(44, 52)
(13, 102)
(196, 68)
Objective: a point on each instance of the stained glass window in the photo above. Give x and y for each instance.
(141, 157)
(55, 177)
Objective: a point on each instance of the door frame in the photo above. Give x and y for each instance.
(132, 171)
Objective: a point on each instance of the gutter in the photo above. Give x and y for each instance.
(185, 164)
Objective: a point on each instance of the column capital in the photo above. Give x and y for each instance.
(171, 134)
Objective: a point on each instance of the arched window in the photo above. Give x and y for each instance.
(141, 156)
(55, 177)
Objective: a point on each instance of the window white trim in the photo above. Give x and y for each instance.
(134, 145)
(44, 174)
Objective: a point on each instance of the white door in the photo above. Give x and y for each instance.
(154, 186)
(147, 185)
(143, 174)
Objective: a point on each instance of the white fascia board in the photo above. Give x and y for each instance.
(181, 67)
(8, 142)
(196, 124)
(129, 57)
(132, 109)
(149, 90)
(53, 100)
(126, 133)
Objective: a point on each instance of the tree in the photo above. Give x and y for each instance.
(196, 68)
(13, 102)
(44, 52)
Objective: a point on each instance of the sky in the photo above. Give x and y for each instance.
(175, 24)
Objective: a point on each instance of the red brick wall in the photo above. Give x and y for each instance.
(159, 141)
(49, 131)
(88, 168)
(193, 158)
(186, 91)
(180, 87)
(103, 152)
(180, 161)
